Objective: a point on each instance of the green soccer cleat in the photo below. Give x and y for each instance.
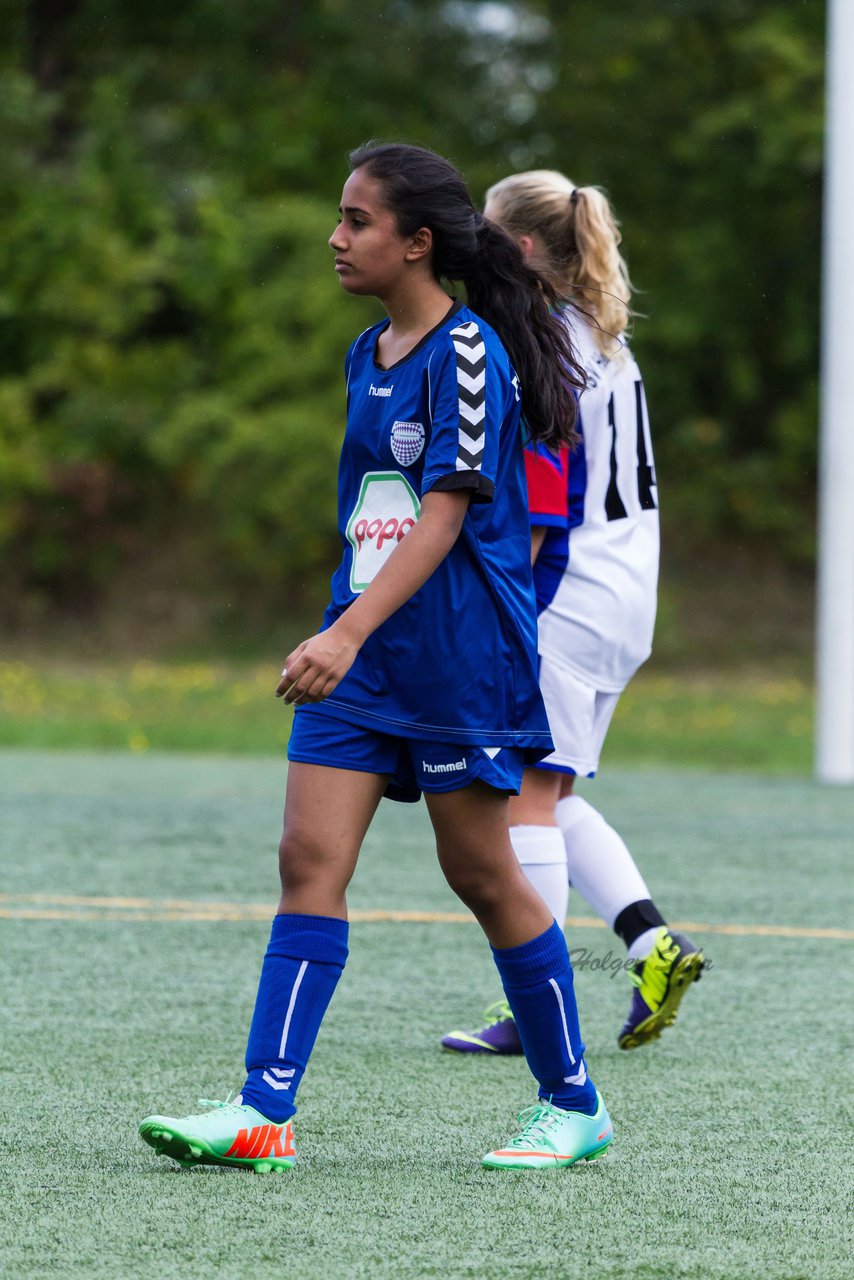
(551, 1138)
(229, 1134)
(660, 980)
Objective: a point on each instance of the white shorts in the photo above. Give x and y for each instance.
(579, 716)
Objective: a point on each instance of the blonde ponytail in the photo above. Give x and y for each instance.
(600, 281)
(578, 242)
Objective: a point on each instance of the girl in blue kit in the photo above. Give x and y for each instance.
(424, 676)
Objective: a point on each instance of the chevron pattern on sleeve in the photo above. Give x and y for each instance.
(471, 386)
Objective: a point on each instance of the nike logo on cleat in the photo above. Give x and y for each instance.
(263, 1141)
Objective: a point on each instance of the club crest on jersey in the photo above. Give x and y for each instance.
(407, 442)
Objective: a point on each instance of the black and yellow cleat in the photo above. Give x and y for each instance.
(661, 980)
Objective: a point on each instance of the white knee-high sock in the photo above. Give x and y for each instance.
(598, 863)
(542, 857)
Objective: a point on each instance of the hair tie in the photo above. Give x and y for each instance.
(573, 199)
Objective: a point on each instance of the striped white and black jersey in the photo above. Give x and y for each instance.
(600, 614)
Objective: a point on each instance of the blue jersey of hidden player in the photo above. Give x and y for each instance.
(458, 661)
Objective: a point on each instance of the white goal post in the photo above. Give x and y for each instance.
(834, 741)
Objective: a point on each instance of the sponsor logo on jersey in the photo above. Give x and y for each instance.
(382, 392)
(390, 530)
(407, 442)
(453, 767)
(386, 509)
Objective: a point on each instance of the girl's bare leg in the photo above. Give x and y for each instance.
(478, 861)
(535, 804)
(327, 813)
(528, 946)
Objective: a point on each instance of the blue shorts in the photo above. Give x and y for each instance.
(411, 766)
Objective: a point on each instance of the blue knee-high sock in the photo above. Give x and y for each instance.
(537, 980)
(304, 960)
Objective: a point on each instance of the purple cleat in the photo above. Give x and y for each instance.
(498, 1036)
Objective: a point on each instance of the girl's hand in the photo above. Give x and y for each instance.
(316, 666)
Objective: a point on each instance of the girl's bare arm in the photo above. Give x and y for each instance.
(317, 665)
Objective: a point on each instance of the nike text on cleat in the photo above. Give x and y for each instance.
(228, 1134)
(660, 981)
(499, 1035)
(551, 1138)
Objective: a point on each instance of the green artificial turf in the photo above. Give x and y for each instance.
(730, 1158)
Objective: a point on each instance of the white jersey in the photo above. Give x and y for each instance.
(600, 621)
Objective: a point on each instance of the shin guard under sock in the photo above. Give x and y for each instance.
(542, 856)
(304, 960)
(537, 980)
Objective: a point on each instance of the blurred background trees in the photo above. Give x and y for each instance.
(172, 334)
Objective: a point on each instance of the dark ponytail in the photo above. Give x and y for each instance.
(424, 190)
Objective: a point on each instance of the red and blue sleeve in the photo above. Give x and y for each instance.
(547, 474)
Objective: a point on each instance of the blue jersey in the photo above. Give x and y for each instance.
(458, 661)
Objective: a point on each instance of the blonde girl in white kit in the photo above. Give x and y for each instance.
(596, 571)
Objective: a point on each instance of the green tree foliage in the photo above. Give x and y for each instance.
(171, 333)
(710, 132)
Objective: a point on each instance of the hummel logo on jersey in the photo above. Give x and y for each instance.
(380, 391)
(471, 390)
(444, 768)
